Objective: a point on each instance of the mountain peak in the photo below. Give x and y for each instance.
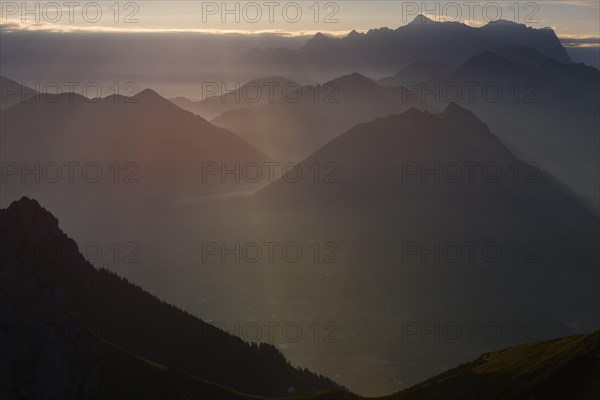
(354, 34)
(29, 212)
(421, 19)
(504, 23)
(25, 203)
(148, 94)
(318, 40)
(354, 79)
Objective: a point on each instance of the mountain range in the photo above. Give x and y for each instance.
(545, 113)
(412, 205)
(121, 150)
(292, 130)
(381, 50)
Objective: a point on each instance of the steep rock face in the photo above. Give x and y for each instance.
(44, 352)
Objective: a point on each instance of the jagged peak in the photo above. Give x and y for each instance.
(29, 211)
(354, 34)
(148, 94)
(421, 19)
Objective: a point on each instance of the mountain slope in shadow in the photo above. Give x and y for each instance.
(34, 247)
(404, 180)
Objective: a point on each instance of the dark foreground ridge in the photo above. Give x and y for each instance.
(68, 304)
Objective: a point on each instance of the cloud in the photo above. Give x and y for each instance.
(15, 26)
(579, 41)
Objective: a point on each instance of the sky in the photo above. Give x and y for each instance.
(577, 19)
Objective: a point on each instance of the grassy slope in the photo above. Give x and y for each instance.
(566, 368)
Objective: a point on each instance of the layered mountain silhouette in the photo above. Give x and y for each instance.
(140, 147)
(375, 165)
(436, 237)
(545, 113)
(293, 127)
(255, 93)
(403, 182)
(48, 287)
(387, 49)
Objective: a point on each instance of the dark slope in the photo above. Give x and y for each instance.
(122, 313)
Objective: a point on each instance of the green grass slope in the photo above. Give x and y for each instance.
(566, 368)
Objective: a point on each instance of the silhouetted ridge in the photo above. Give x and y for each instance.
(384, 48)
(421, 19)
(505, 22)
(149, 96)
(30, 212)
(126, 315)
(318, 41)
(354, 80)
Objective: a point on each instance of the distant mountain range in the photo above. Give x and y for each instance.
(552, 107)
(384, 49)
(291, 130)
(546, 112)
(144, 148)
(256, 93)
